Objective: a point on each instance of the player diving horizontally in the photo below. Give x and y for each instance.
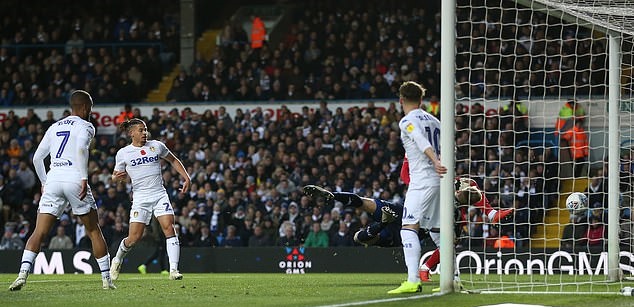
(385, 230)
(494, 216)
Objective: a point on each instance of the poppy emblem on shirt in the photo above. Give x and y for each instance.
(142, 152)
(410, 127)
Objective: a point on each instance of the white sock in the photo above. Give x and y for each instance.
(122, 251)
(492, 214)
(424, 267)
(411, 251)
(28, 258)
(456, 270)
(104, 266)
(173, 252)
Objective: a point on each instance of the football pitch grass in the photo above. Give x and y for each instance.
(228, 289)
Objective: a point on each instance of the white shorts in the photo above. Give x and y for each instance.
(422, 206)
(143, 207)
(57, 196)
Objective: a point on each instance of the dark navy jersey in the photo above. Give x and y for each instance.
(390, 235)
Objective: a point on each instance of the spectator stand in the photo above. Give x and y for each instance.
(52, 48)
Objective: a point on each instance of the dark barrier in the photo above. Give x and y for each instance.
(238, 260)
(325, 260)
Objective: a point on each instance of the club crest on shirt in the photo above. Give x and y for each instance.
(152, 148)
(136, 214)
(142, 152)
(409, 127)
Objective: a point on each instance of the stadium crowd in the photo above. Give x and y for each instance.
(118, 56)
(246, 168)
(340, 51)
(247, 171)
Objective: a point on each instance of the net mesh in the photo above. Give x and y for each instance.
(615, 15)
(531, 128)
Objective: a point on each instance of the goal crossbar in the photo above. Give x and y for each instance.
(616, 19)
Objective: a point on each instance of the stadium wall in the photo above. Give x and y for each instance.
(327, 260)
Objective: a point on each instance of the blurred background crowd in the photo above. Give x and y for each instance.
(247, 169)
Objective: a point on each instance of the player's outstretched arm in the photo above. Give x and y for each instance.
(180, 168)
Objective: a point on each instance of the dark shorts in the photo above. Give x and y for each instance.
(390, 235)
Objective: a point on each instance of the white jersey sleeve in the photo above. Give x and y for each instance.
(119, 161)
(415, 132)
(84, 136)
(163, 150)
(38, 157)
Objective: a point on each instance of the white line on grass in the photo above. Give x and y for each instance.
(395, 299)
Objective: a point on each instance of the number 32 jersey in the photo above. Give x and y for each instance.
(419, 131)
(143, 165)
(67, 142)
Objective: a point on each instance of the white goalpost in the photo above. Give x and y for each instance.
(509, 69)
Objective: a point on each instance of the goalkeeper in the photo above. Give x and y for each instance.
(494, 216)
(385, 231)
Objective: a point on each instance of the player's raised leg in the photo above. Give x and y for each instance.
(348, 199)
(314, 191)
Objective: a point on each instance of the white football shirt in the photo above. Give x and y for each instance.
(67, 142)
(419, 131)
(143, 165)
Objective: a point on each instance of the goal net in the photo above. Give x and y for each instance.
(532, 126)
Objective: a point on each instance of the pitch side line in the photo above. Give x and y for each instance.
(383, 300)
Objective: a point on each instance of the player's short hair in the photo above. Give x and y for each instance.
(79, 98)
(412, 92)
(469, 196)
(127, 124)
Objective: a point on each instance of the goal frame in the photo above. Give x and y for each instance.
(448, 96)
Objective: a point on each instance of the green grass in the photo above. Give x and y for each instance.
(223, 289)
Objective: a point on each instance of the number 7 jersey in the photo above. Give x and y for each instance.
(67, 142)
(143, 165)
(419, 131)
